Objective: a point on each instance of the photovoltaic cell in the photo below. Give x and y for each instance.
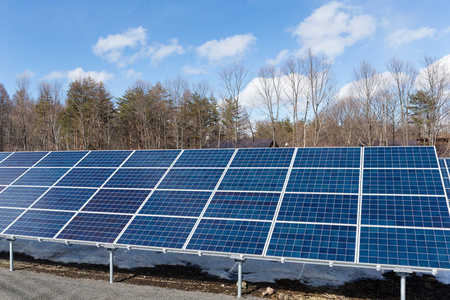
(194, 179)
(324, 180)
(328, 158)
(41, 176)
(65, 159)
(231, 236)
(39, 223)
(117, 201)
(4, 155)
(85, 177)
(405, 247)
(20, 196)
(400, 157)
(104, 159)
(136, 178)
(217, 158)
(64, 198)
(23, 159)
(263, 158)
(100, 228)
(414, 211)
(7, 216)
(254, 180)
(176, 203)
(152, 158)
(313, 241)
(8, 175)
(243, 205)
(319, 208)
(158, 232)
(403, 181)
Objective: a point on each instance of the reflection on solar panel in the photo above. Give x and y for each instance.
(382, 207)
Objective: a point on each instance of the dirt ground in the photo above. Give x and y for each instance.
(193, 279)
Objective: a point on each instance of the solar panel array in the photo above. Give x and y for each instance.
(368, 206)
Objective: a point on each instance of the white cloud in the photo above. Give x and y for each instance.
(131, 73)
(404, 36)
(162, 51)
(333, 27)
(229, 47)
(78, 73)
(112, 47)
(446, 30)
(187, 69)
(280, 57)
(131, 46)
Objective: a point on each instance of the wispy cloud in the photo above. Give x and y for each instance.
(280, 57)
(404, 36)
(190, 70)
(131, 46)
(131, 73)
(226, 48)
(78, 73)
(333, 27)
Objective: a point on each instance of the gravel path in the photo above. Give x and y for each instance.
(28, 285)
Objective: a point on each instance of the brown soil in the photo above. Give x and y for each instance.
(193, 279)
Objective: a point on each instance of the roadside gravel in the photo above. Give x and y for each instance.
(22, 284)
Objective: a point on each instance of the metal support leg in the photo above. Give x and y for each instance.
(402, 285)
(111, 265)
(239, 262)
(11, 255)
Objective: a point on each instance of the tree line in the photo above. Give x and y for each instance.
(296, 104)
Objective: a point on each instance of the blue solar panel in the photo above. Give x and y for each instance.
(61, 159)
(313, 241)
(415, 211)
(264, 158)
(8, 175)
(405, 247)
(85, 177)
(400, 157)
(217, 158)
(254, 180)
(4, 155)
(23, 159)
(243, 205)
(41, 176)
(319, 208)
(231, 236)
(109, 159)
(402, 181)
(20, 196)
(64, 198)
(176, 203)
(136, 178)
(7, 216)
(324, 180)
(100, 228)
(117, 201)
(152, 158)
(194, 179)
(158, 232)
(39, 223)
(328, 158)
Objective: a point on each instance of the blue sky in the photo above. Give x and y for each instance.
(119, 42)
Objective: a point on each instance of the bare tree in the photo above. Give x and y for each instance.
(292, 69)
(177, 87)
(48, 109)
(403, 75)
(268, 95)
(319, 90)
(234, 78)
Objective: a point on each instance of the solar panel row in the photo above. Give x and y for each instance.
(312, 203)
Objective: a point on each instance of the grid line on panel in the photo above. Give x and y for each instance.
(277, 211)
(443, 183)
(8, 215)
(400, 157)
(152, 159)
(18, 159)
(209, 200)
(46, 189)
(263, 158)
(135, 178)
(193, 178)
(194, 158)
(62, 159)
(3, 159)
(148, 197)
(93, 195)
(106, 159)
(258, 180)
(320, 158)
(358, 219)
